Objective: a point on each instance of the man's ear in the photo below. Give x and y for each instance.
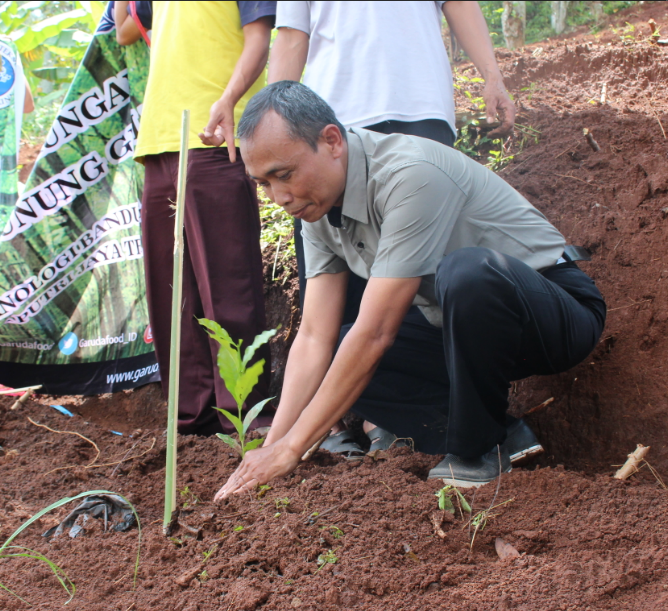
(333, 139)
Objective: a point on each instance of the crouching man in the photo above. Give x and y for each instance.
(469, 288)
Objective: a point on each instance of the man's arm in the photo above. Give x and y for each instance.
(312, 351)
(288, 55)
(250, 64)
(127, 31)
(384, 305)
(470, 28)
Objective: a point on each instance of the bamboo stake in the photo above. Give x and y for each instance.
(22, 400)
(631, 465)
(175, 344)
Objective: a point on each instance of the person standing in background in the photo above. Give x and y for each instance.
(201, 53)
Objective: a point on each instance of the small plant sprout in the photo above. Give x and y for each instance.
(445, 496)
(282, 504)
(480, 519)
(262, 490)
(203, 576)
(238, 529)
(239, 380)
(190, 498)
(207, 554)
(337, 533)
(327, 558)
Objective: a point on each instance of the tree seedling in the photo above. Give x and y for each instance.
(239, 378)
(327, 558)
(203, 576)
(445, 496)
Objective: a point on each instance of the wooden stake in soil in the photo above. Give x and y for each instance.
(175, 344)
(590, 140)
(25, 397)
(632, 462)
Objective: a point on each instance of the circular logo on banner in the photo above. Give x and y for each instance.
(7, 75)
(69, 343)
(148, 335)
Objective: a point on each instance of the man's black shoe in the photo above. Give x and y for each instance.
(471, 472)
(521, 442)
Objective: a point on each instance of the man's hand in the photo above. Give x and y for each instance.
(260, 466)
(470, 28)
(220, 127)
(248, 68)
(498, 101)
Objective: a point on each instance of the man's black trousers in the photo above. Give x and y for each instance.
(447, 388)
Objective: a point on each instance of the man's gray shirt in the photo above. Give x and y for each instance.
(409, 202)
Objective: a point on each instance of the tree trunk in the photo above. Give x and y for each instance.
(513, 20)
(596, 9)
(558, 17)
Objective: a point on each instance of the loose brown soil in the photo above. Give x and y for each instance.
(585, 540)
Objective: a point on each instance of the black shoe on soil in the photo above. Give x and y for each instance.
(343, 443)
(471, 472)
(383, 440)
(521, 442)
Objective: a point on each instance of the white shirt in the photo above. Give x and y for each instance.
(375, 61)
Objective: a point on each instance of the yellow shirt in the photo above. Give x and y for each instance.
(194, 49)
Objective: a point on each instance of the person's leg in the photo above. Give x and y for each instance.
(223, 237)
(408, 394)
(157, 226)
(503, 321)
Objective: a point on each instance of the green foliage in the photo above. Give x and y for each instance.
(239, 380)
(445, 496)
(52, 38)
(277, 229)
(17, 551)
(282, 504)
(327, 558)
(190, 498)
(538, 26)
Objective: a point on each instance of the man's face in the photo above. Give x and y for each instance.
(304, 182)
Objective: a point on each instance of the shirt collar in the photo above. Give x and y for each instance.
(354, 198)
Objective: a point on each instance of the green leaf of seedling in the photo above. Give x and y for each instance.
(251, 445)
(230, 442)
(262, 338)
(444, 500)
(247, 380)
(233, 419)
(253, 412)
(465, 506)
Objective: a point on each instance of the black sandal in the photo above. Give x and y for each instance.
(383, 440)
(343, 443)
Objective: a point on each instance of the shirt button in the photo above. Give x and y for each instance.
(360, 244)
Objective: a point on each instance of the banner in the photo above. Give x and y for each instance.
(73, 313)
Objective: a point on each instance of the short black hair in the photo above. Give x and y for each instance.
(304, 111)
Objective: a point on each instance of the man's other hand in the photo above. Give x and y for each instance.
(259, 467)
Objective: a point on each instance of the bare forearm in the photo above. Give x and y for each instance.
(251, 62)
(288, 55)
(307, 365)
(350, 373)
(470, 28)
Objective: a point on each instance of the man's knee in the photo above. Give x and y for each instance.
(466, 273)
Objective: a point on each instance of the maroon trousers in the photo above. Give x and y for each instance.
(222, 277)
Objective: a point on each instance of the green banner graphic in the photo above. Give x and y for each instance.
(73, 314)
